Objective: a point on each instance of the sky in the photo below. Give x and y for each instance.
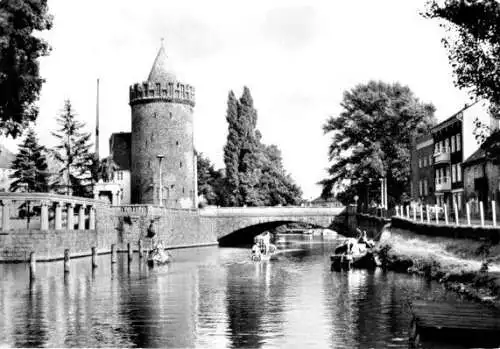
(297, 58)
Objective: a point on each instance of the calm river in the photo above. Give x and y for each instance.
(210, 297)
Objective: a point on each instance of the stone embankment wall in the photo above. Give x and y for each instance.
(121, 225)
(177, 228)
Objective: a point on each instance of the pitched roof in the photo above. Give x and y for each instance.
(478, 156)
(161, 70)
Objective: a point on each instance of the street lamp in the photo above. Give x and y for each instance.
(160, 158)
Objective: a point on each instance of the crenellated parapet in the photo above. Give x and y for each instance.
(169, 91)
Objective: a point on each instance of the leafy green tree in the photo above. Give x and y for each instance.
(473, 44)
(209, 181)
(30, 165)
(73, 154)
(371, 137)
(254, 172)
(20, 49)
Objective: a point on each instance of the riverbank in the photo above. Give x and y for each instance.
(459, 264)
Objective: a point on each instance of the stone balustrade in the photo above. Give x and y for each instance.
(62, 206)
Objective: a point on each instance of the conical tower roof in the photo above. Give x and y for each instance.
(161, 70)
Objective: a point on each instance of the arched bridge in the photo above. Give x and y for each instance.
(241, 224)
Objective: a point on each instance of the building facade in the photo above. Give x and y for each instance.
(455, 141)
(422, 172)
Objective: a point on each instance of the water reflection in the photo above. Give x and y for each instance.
(209, 297)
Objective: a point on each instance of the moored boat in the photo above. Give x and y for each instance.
(262, 250)
(158, 256)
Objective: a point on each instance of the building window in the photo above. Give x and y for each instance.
(425, 161)
(453, 173)
(419, 163)
(447, 145)
(158, 89)
(177, 143)
(420, 187)
(459, 172)
(426, 187)
(182, 190)
(459, 142)
(430, 160)
(170, 115)
(452, 144)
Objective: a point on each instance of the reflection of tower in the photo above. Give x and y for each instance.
(162, 124)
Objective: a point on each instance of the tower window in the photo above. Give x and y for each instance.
(155, 115)
(180, 164)
(170, 115)
(158, 89)
(172, 186)
(177, 143)
(182, 190)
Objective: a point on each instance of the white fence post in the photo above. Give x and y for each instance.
(481, 212)
(414, 213)
(455, 208)
(397, 210)
(422, 213)
(494, 212)
(428, 214)
(446, 214)
(408, 212)
(437, 214)
(467, 209)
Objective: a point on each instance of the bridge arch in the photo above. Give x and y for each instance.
(245, 235)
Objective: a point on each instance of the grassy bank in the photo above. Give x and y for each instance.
(469, 267)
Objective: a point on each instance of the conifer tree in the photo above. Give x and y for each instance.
(73, 154)
(30, 166)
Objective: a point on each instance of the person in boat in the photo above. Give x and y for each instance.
(152, 234)
(266, 240)
(256, 251)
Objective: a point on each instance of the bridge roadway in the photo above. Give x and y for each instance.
(241, 224)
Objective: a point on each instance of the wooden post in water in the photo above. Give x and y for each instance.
(455, 208)
(481, 212)
(141, 248)
(66, 260)
(94, 255)
(494, 212)
(437, 214)
(32, 265)
(130, 251)
(467, 211)
(446, 214)
(113, 253)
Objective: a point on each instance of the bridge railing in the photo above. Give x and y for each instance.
(270, 211)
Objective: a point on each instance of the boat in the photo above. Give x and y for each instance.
(158, 256)
(355, 253)
(262, 250)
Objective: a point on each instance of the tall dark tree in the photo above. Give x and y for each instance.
(371, 137)
(20, 49)
(30, 166)
(254, 172)
(232, 150)
(473, 44)
(73, 154)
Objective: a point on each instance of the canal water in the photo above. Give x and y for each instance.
(210, 297)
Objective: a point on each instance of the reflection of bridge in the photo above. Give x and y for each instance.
(241, 224)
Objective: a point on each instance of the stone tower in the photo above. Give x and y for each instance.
(162, 126)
